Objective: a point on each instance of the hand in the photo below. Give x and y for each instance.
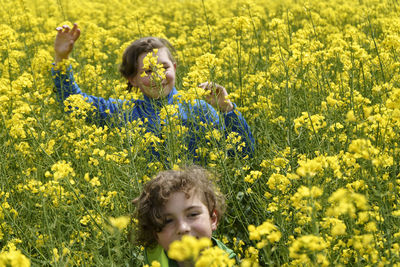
(218, 97)
(65, 40)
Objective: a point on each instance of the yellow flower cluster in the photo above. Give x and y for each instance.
(200, 252)
(309, 249)
(14, 258)
(150, 63)
(120, 223)
(265, 234)
(214, 257)
(62, 169)
(188, 248)
(313, 123)
(346, 202)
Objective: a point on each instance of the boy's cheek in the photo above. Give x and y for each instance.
(145, 82)
(170, 74)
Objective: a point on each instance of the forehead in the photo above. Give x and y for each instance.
(179, 201)
(162, 55)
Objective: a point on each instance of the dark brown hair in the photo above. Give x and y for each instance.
(156, 192)
(129, 65)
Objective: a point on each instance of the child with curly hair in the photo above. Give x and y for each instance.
(177, 203)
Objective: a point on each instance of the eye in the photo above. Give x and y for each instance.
(194, 214)
(168, 221)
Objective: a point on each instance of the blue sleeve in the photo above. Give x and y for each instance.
(235, 122)
(232, 121)
(65, 86)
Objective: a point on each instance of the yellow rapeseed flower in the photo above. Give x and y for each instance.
(188, 248)
(120, 223)
(214, 257)
(14, 258)
(62, 169)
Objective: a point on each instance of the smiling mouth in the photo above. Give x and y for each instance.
(158, 87)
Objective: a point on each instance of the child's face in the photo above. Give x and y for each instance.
(147, 85)
(185, 216)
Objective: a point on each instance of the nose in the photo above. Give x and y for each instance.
(183, 227)
(158, 74)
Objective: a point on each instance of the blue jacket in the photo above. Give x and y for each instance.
(147, 110)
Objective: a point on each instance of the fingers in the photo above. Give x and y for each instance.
(63, 29)
(66, 28)
(203, 85)
(208, 85)
(77, 34)
(74, 32)
(214, 88)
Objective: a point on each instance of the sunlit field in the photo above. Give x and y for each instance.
(317, 81)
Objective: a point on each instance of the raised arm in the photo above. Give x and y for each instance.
(64, 81)
(64, 42)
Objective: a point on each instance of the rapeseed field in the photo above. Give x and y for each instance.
(317, 81)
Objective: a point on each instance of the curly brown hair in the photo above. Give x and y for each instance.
(156, 192)
(129, 65)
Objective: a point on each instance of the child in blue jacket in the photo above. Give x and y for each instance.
(158, 90)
